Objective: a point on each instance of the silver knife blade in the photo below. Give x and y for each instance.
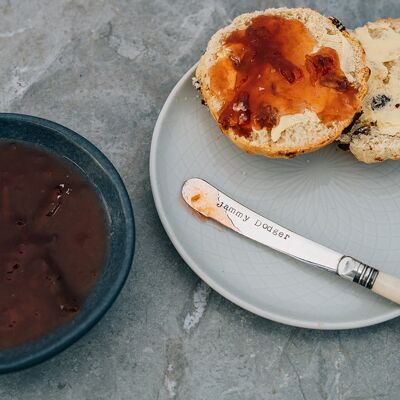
(210, 202)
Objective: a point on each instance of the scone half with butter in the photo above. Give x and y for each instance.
(375, 136)
(282, 82)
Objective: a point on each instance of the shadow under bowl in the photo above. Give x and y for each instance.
(120, 224)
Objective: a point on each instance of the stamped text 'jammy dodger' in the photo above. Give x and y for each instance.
(255, 221)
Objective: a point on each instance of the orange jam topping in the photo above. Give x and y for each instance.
(272, 71)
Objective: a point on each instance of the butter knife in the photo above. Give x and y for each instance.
(211, 203)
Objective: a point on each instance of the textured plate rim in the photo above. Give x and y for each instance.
(185, 254)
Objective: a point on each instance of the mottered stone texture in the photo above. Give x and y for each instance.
(104, 68)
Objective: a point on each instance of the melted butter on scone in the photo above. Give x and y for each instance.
(288, 121)
(381, 43)
(345, 51)
(382, 47)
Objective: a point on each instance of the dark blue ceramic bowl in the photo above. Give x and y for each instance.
(121, 232)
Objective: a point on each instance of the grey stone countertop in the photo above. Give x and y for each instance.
(104, 68)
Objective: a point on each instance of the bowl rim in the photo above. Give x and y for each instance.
(77, 331)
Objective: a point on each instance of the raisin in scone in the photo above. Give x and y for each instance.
(375, 136)
(282, 82)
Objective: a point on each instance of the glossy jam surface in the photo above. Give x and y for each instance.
(273, 71)
(53, 241)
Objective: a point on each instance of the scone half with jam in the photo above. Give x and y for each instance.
(283, 82)
(375, 136)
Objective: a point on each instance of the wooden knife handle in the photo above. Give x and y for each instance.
(387, 286)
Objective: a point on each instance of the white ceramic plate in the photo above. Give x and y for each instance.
(326, 196)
